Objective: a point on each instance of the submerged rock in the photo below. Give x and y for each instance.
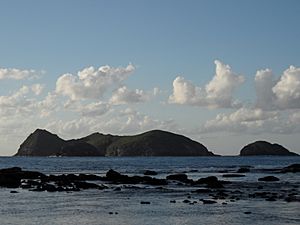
(233, 175)
(243, 170)
(150, 173)
(206, 201)
(268, 178)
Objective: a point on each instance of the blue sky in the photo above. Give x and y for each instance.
(161, 41)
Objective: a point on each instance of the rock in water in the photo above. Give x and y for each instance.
(294, 168)
(268, 178)
(265, 148)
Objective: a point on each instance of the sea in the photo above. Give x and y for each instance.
(165, 206)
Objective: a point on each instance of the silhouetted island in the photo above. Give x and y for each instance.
(265, 148)
(151, 143)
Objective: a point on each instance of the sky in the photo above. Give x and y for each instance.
(224, 73)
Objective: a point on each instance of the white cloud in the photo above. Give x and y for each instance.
(282, 94)
(16, 74)
(287, 89)
(37, 88)
(242, 120)
(264, 83)
(125, 96)
(218, 93)
(48, 105)
(14, 100)
(295, 118)
(127, 121)
(94, 109)
(91, 83)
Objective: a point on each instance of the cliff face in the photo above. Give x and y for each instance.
(265, 148)
(152, 143)
(157, 143)
(41, 143)
(44, 143)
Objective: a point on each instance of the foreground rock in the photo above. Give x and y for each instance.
(209, 190)
(117, 178)
(268, 179)
(294, 168)
(152, 143)
(211, 182)
(265, 148)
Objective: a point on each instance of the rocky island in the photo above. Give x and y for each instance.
(151, 143)
(265, 148)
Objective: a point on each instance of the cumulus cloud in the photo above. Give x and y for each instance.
(16, 74)
(37, 89)
(16, 99)
(281, 94)
(264, 83)
(218, 93)
(48, 105)
(91, 83)
(287, 89)
(124, 96)
(242, 120)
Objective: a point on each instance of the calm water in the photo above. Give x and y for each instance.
(93, 206)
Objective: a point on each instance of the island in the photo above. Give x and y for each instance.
(152, 143)
(265, 148)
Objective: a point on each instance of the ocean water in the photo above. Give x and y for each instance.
(96, 206)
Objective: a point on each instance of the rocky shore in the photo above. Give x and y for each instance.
(206, 190)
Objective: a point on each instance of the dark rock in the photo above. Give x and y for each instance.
(204, 201)
(186, 201)
(233, 175)
(145, 203)
(294, 168)
(154, 181)
(85, 185)
(202, 190)
(14, 192)
(89, 177)
(179, 177)
(25, 186)
(10, 180)
(265, 148)
(247, 212)
(172, 201)
(243, 170)
(211, 182)
(150, 173)
(114, 175)
(292, 198)
(117, 189)
(49, 187)
(271, 199)
(268, 179)
(11, 170)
